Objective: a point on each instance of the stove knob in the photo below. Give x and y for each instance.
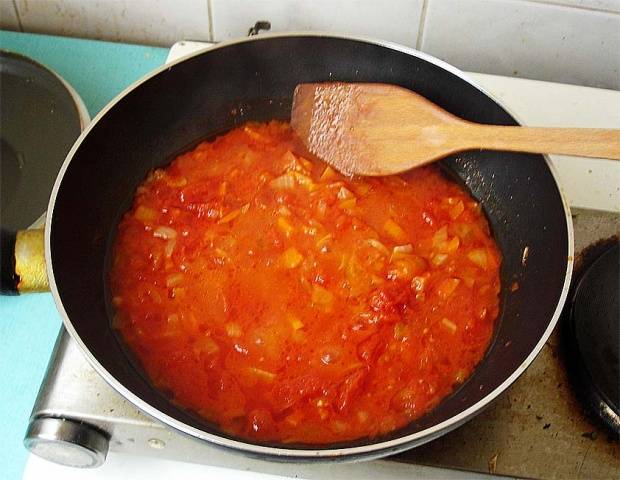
(68, 442)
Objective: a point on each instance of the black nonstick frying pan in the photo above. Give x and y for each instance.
(253, 79)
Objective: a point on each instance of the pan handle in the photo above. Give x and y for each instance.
(22, 262)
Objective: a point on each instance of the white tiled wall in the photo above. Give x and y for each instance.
(570, 41)
(526, 39)
(396, 20)
(160, 22)
(8, 15)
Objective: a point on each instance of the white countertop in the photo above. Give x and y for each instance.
(588, 183)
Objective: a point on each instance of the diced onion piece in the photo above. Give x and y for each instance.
(296, 323)
(312, 231)
(362, 189)
(305, 181)
(328, 173)
(178, 292)
(338, 426)
(418, 283)
(307, 164)
(284, 211)
(169, 250)
(463, 230)
(440, 237)
(321, 208)
(298, 336)
(321, 296)
(285, 227)
(223, 188)
(263, 374)
(394, 230)
(321, 402)
(206, 345)
(400, 331)
(378, 245)
(296, 164)
(175, 181)
(230, 216)
(479, 257)
(165, 232)
(244, 208)
(254, 135)
(447, 287)
(291, 258)
(155, 296)
(323, 241)
(475, 206)
(450, 246)
(221, 254)
(145, 214)
(449, 324)
(400, 251)
(439, 259)
(174, 280)
(248, 157)
(405, 268)
(290, 161)
(294, 418)
(233, 330)
(348, 204)
(469, 281)
(456, 209)
(460, 375)
(283, 182)
(344, 193)
(404, 399)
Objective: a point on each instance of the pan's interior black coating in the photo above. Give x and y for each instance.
(254, 80)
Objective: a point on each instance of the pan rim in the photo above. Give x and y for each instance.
(371, 450)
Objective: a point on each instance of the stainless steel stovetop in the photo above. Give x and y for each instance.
(536, 428)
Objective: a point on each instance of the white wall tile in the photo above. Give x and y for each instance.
(608, 5)
(158, 22)
(526, 39)
(8, 15)
(396, 20)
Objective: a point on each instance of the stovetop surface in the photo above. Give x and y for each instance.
(537, 428)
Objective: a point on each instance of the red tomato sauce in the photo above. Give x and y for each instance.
(286, 302)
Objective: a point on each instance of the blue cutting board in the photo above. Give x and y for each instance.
(29, 324)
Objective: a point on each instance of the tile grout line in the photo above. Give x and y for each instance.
(18, 16)
(418, 44)
(210, 16)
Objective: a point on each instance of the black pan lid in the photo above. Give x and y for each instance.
(41, 116)
(595, 333)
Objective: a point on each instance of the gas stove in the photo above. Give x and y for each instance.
(537, 428)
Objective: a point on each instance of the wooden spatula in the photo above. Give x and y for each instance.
(379, 129)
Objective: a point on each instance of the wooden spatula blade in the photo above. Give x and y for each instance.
(379, 129)
(362, 128)
(322, 116)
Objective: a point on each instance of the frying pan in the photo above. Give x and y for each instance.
(208, 93)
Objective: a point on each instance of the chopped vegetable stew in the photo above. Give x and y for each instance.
(286, 302)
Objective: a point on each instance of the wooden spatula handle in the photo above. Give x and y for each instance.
(583, 142)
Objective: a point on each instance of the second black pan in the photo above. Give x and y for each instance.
(253, 79)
